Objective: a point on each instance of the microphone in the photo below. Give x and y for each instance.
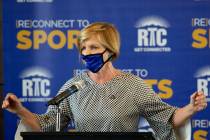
(71, 90)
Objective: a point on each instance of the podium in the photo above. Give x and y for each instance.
(87, 136)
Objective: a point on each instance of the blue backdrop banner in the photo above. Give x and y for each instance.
(167, 43)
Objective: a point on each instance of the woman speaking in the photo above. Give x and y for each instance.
(112, 100)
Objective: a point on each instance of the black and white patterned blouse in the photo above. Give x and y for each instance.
(114, 106)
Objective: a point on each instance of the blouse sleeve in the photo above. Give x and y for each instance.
(47, 121)
(157, 113)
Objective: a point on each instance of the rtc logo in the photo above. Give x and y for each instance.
(152, 35)
(35, 85)
(203, 81)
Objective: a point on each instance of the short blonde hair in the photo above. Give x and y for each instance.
(105, 33)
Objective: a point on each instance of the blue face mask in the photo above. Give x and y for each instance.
(94, 62)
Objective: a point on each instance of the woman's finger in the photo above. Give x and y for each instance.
(5, 104)
(8, 95)
(192, 97)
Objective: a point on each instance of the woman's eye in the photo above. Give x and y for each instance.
(83, 48)
(94, 47)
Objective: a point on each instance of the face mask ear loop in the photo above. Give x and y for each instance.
(106, 62)
(110, 58)
(104, 51)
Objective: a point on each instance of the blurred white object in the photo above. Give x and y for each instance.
(21, 128)
(184, 132)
